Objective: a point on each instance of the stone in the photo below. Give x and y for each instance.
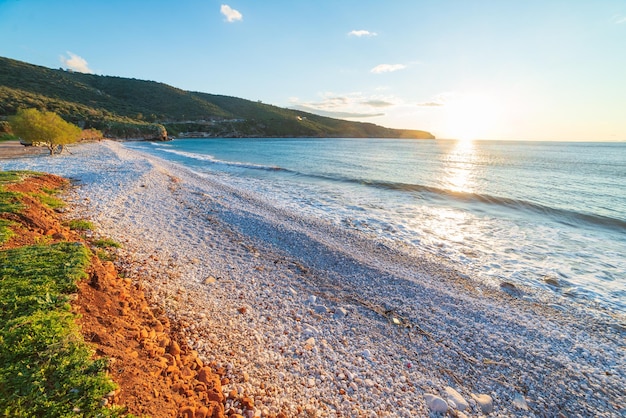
(320, 309)
(520, 402)
(340, 313)
(312, 299)
(485, 402)
(310, 342)
(435, 403)
(187, 412)
(367, 354)
(210, 280)
(309, 330)
(174, 348)
(458, 400)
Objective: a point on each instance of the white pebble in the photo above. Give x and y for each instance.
(458, 400)
(484, 401)
(340, 313)
(435, 403)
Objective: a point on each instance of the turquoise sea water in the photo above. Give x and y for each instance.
(542, 214)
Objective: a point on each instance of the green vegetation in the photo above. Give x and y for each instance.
(106, 243)
(50, 201)
(44, 127)
(80, 225)
(126, 108)
(45, 367)
(5, 231)
(9, 201)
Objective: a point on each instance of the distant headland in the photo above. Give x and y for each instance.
(136, 109)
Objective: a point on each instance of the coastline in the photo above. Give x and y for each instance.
(306, 317)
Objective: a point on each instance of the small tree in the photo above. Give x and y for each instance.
(44, 127)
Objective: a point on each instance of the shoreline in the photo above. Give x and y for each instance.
(307, 317)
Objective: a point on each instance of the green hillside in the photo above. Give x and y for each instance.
(125, 107)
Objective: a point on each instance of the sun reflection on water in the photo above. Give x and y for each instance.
(459, 169)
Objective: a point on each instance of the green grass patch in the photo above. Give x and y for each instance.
(9, 201)
(106, 243)
(81, 225)
(46, 368)
(13, 176)
(48, 200)
(5, 232)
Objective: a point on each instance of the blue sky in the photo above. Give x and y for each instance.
(499, 69)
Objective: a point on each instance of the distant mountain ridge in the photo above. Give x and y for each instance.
(131, 108)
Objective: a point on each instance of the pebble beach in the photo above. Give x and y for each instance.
(316, 321)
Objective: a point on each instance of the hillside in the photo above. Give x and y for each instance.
(125, 107)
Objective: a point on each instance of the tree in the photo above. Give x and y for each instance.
(46, 128)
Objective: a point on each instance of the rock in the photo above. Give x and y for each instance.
(367, 354)
(320, 309)
(210, 280)
(312, 299)
(511, 289)
(520, 402)
(456, 398)
(187, 412)
(309, 330)
(485, 402)
(310, 382)
(340, 313)
(435, 403)
(310, 342)
(247, 402)
(174, 348)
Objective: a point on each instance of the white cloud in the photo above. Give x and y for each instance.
(439, 100)
(76, 63)
(360, 33)
(346, 106)
(387, 68)
(231, 14)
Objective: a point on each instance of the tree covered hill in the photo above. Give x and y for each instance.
(125, 107)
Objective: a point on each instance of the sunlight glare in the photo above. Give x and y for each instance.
(460, 167)
(471, 116)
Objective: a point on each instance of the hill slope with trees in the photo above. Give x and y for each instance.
(131, 108)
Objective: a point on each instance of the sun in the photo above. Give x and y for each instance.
(470, 116)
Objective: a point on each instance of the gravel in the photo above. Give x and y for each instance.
(314, 320)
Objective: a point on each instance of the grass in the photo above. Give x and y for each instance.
(81, 225)
(48, 200)
(9, 201)
(5, 231)
(13, 176)
(102, 246)
(106, 243)
(46, 368)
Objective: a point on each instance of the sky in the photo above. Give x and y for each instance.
(467, 69)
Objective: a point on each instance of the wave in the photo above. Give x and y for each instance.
(213, 160)
(564, 216)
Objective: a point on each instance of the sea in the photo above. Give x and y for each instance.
(549, 215)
